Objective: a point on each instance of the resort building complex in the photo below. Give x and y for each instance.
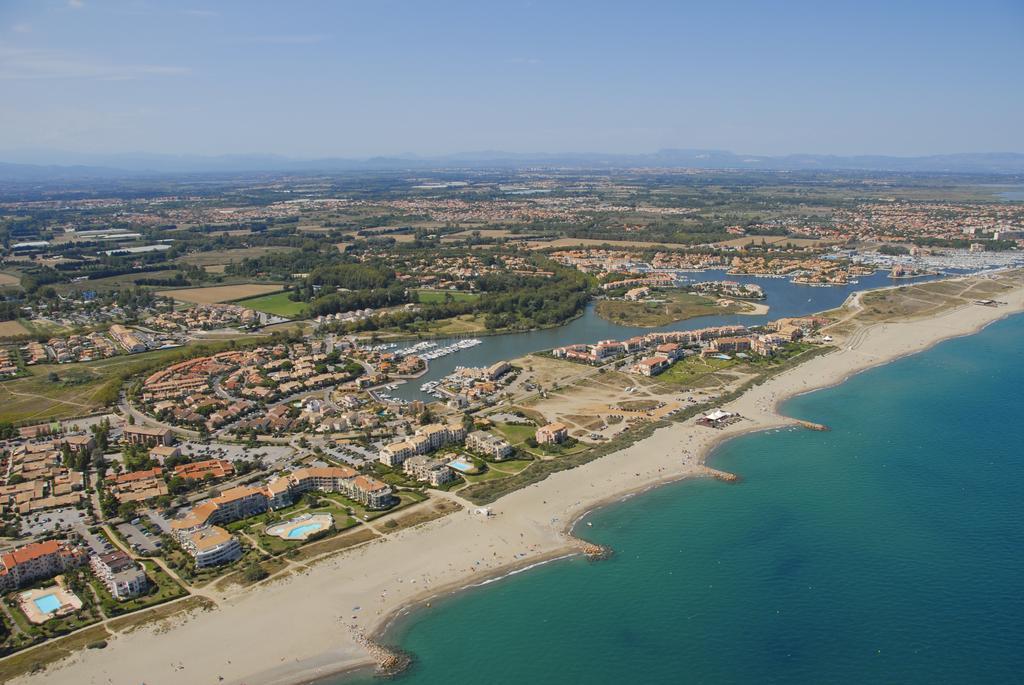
(211, 546)
(197, 530)
(426, 439)
(37, 561)
(433, 471)
(489, 445)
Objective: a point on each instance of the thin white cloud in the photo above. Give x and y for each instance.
(19, 64)
(76, 4)
(22, 28)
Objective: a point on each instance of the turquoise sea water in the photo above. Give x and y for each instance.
(889, 550)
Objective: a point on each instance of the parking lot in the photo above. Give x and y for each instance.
(98, 544)
(354, 455)
(140, 538)
(273, 456)
(159, 520)
(45, 522)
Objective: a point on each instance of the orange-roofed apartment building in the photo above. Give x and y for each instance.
(37, 561)
(198, 470)
(552, 434)
(651, 366)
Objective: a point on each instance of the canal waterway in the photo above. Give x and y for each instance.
(783, 298)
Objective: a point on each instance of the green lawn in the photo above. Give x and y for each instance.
(405, 498)
(663, 308)
(515, 433)
(435, 296)
(277, 304)
(500, 469)
(688, 370)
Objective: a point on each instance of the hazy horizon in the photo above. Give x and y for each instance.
(318, 80)
(30, 152)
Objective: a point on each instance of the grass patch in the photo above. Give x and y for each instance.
(666, 307)
(271, 566)
(423, 515)
(515, 433)
(686, 371)
(277, 304)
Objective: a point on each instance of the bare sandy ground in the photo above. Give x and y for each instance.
(220, 293)
(295, 629)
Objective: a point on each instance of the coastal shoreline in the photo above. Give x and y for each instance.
(544, 515)
(384, 631)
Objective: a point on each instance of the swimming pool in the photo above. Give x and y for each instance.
(47, 604)
(304, 530)
(461, 465)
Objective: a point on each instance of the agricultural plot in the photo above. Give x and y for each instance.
(12, 329)
(277, 304)
(221, 293)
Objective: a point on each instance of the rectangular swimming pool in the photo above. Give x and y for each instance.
(47, 603)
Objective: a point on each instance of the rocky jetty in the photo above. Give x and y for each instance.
(390, 661)
(593, 551)
(724, 476)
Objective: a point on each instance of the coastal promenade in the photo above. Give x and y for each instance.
(298, 628)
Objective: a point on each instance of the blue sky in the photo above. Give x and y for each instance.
(312, 78)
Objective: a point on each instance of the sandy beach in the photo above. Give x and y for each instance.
(297, 629)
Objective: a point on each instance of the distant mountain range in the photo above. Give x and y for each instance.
(43, 165)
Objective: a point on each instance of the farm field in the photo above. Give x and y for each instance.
(113, 282)
(275, 303)
(484, 233)
(224, 257)
(221, 293)
(9, 280)
(11, 329)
